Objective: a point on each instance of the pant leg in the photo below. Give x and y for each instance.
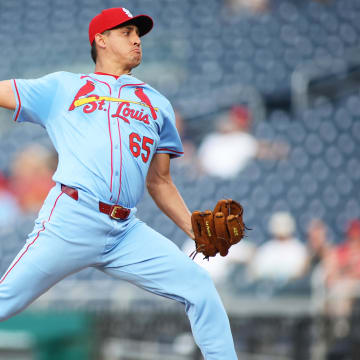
(56, 248)
(149, 260)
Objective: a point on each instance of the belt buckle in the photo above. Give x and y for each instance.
(118, 213)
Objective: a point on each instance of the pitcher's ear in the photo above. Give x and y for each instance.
(100, 40)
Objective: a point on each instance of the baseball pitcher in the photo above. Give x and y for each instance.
(114, 134)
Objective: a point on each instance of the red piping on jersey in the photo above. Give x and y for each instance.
(120, 177)
(19, 101)
(170, 150)
(33, 242)
(109, 125)
(117, 200)
(102, 73)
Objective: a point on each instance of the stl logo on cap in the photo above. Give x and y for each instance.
(127, 12)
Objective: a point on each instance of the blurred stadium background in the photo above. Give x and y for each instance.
(296, 65)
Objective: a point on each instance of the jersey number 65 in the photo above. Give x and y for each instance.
(137, 145)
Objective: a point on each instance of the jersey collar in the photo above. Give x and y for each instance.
(106, 74)
(102, 73)
(127, 78)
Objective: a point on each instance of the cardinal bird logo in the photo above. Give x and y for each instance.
(84, 90)
(139, 92)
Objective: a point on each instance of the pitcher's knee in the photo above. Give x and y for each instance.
(204, 275)
(203, 282)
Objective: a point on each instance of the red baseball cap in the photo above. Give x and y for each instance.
(110, 18)
(240, 115)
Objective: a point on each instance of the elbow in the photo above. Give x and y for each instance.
(155, 184)
(151, 186)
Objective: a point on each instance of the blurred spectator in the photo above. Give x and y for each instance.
(283, 257)
(220, 267)
(319, 252)
(225, 152)
(343, 272)
(318, 246)
(9, 209)
(31, 174)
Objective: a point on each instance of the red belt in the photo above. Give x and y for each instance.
(116, 212)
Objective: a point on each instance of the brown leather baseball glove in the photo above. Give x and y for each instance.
(215, 231)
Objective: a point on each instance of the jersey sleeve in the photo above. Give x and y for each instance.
(170, 142)
(35, 98)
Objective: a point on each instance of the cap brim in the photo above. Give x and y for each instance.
(143, 22)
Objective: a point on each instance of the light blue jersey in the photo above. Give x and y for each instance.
(105, 130)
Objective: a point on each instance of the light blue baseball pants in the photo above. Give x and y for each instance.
(70, 235)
